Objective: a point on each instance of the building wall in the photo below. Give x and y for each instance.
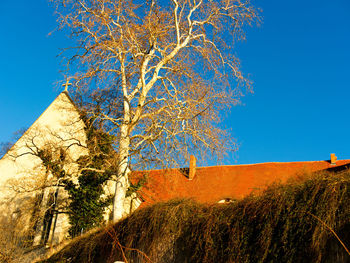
(22, 175)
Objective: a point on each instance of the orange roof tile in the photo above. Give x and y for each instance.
(215, 183)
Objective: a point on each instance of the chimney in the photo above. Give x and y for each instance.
(192, 171)
(333, 159)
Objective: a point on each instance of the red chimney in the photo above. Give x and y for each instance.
(192, 171)
(333, 159)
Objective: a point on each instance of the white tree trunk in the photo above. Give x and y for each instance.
(122, 183)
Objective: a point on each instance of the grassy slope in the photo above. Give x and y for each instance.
(281, 225)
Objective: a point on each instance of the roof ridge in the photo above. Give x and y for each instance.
(251, 164)
(38, 118)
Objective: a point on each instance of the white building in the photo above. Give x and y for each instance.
(30, 194)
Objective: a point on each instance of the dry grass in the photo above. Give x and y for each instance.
(281, 225)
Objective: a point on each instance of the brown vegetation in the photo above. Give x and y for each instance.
(288, 223)
(17, 233)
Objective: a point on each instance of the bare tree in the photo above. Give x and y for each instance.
(6, 146)
(63, 169)
(174, 65)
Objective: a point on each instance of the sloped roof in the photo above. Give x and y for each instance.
(60, 124)
(63, 96)
(215, 183)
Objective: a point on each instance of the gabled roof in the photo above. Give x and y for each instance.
(212, 184)
(55, 104)
(58, 125)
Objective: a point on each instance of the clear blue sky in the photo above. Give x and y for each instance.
(299, 60)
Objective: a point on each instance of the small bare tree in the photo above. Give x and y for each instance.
(174, 65)
(45, 172)
(63, 169)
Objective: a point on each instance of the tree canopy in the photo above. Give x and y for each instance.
(172, 63)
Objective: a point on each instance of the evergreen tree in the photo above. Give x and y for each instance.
(88, 201)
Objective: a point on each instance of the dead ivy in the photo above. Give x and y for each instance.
(277, 226)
